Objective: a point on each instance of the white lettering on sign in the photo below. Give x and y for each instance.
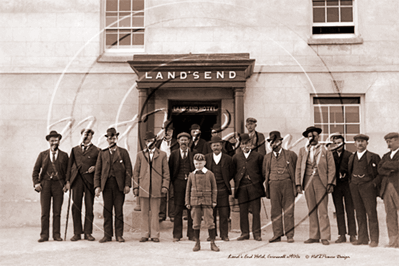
(207, 75)
(196, 75)
(171, 75)
(147, 76)
(232, 74)
(183, 75)
(159, 76)
(220, 74)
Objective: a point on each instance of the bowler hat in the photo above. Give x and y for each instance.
(215, 140)
(111, 132)
(195, 126)
(149, 135)
(251, 120)
(168, 125)
(361, 136)
(244, 138)
(392, 135)
(53, 133)
(199, 157)
(337, 135)
(183, 134)
(274, 135)
(311, 129)
(87, 130)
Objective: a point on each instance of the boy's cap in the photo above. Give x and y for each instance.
(199, 157)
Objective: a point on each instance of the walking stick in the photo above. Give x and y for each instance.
(66, 224)
(166, 213)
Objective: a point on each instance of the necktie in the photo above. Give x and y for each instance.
(54, 157)
(277, 155)
(84, 148)
(199, 172)
(184, 154)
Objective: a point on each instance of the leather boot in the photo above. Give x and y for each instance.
(214, 247)
(197, 238)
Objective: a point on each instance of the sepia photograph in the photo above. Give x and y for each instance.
(193, 132)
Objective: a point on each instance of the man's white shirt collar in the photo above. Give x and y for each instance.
(247, 154)
(393, 153)
(204, 170)
(51, 155)
(217, 158)
(360, 154)
(278, 153)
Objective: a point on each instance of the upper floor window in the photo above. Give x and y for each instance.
(333, 17)
(124, 25)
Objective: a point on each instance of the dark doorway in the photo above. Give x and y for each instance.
(184, 114)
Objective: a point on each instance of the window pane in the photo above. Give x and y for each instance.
(336, 128)
(125, 22)
(346, 2)
(325, 131)
(111, 38)
(319, 14)
(346, 14)
(138, 21)
(125, 5)
(138, 5)
(138, 39)
(333, 14)
(320, 114)
(110, 21)
(336, 114)
(111, 5)
(332, 2)
(352, 114)
(336, 100)
(353, 129)
(124, 38)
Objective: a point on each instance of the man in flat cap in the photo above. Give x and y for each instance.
(221, 165)
(150, 183)
(342, 190)
(180, 165)
(388, 169)
(257, 138)
(364, 184)
(113, 177)
(197, 144)
(50, 183)
(249, 187)
(167, 144)
(315, 174)
(280, 183)
(80, 178)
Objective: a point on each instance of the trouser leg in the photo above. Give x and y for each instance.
(58, 198)
(144, 211)
(45, 203)
(77, 190)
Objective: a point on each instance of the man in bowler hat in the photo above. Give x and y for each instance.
(113, 177)
(220, 164)
(150, 183)
(341, 191)
(257, 138)
(180, 165)
(315, 174)
(249, 187)
(280, 183)
(48, 177)
(388, 169)
(80, 178)
(197, 144)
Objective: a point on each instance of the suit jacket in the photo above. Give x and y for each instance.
(260, 143)
(80, 162)
(253, 165)
(201, 147)
(388, 170)
(291, 159)
(373, 162)
(226, 168)
(342, 165)
(122, 168)
(43, 162)
(325, 165)
(173, 163)
(158, 175)
(201, 195)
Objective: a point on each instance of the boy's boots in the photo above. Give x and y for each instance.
(197, 238)
(211, 232)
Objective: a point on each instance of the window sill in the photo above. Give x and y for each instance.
(118, 56)
(325, 40)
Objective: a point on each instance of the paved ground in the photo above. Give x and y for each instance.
(19, 246)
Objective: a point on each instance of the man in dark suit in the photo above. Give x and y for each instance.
(197, 144)
(280, 183)
(180, 165)
(221, 166)
(80, 175)
(342, 190)
(113, 176)
(249, 187)
(52, 165)
(226, 145)
(257, 138)
(167, 144)
(364, 184)
(388, 170)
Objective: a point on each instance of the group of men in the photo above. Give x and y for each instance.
(163, 167)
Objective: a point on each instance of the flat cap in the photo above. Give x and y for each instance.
(183, 134)
(251, 120)
(392, 135)
(195, 126)
(361, 136)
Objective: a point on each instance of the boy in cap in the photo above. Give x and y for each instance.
(151, 182)
(201, 198)
(52, 165)
(364, 183)
(388, 170)
(80, 177)
(113, 177)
